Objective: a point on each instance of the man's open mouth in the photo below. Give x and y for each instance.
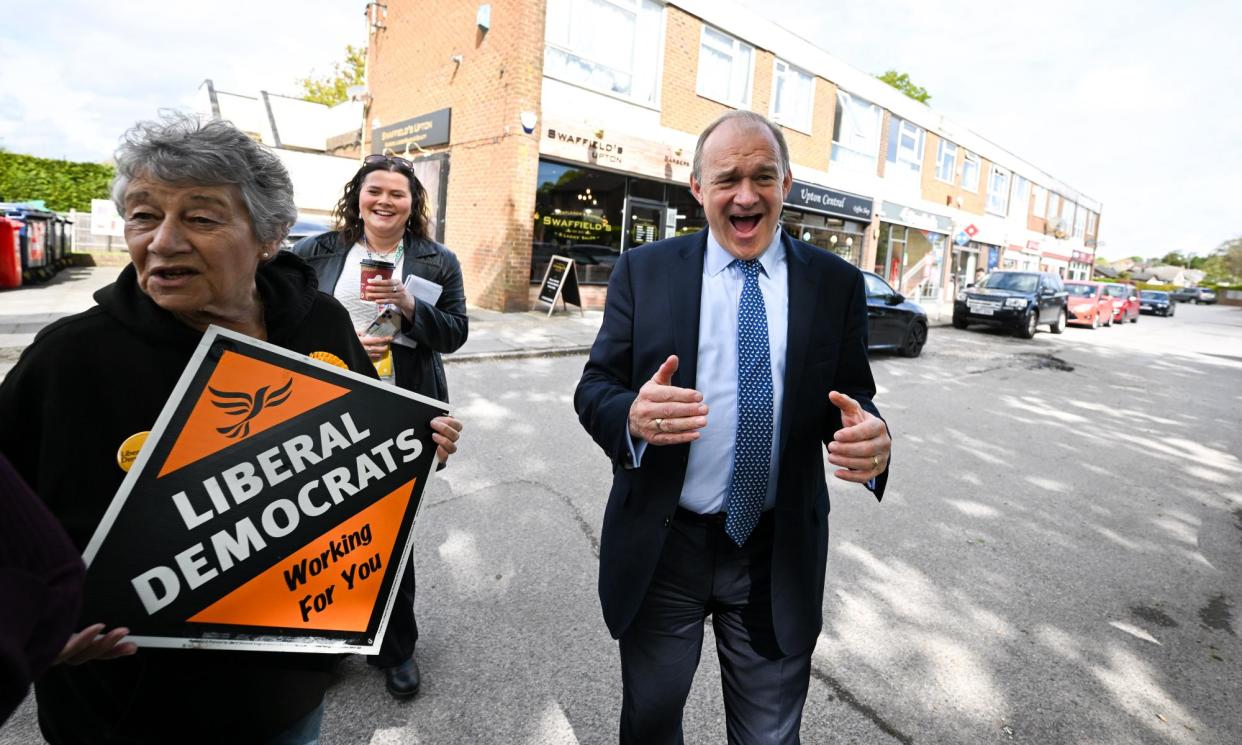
(744, 223)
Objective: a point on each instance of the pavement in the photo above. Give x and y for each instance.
(493, 335)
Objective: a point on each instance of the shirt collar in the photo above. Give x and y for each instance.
(718, 259)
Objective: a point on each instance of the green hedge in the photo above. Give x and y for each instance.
(62, 184)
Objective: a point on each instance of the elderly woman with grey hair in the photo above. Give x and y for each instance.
(205, 208)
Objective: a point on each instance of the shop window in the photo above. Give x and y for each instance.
(842, 237)
(725, 68)
(578, 214)
(998, 191)
(856, 132)
(970, 172)
(1080, 222)
(686, 210)
(1091, 218)
(946, 161)
(1053, 201)
(793, 95)
(609, 45)
(905, 146)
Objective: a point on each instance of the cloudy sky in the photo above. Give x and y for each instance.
(1137, 103)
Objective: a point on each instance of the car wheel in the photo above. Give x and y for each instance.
(1028, 330)
(959, 323)
(1059, 325)
(1169, 314)
(1095, 321)
(916, 337)
(1135, 318)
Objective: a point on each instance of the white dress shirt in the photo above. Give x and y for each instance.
(709, 470)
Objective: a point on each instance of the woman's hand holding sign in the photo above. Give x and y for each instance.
(89, 644)
(445, 432)
(860, 448)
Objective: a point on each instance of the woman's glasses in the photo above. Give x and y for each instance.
(386, 159)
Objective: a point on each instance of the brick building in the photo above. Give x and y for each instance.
(567, 127)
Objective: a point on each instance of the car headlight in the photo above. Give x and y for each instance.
(1015, 302)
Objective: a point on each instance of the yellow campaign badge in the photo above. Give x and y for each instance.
(330, 358)
(128, 452)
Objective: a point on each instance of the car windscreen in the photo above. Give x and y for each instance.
(1008, 281)
(1153, 295)
(1080, 290)
(1117, 290)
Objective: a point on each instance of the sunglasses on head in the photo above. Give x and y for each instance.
(386, 159)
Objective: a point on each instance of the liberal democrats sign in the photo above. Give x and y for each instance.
(272, 507)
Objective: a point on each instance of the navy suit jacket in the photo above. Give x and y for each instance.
(652, 311)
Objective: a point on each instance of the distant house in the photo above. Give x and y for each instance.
(1142, 274)
(318, 144)
(1123, 265)
(1108, 272)
(1170, 275)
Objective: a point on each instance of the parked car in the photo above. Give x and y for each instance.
(1156, 302)
(306, 225)
(892, 321)
(1125, 301)
(1088, 304)
(1205, 295)
(1018, 301)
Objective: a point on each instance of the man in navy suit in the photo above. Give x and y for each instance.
(725, 361)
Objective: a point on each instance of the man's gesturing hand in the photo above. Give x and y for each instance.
(861, 447)
(664, 414)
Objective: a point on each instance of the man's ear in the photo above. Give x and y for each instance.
(697, 189)
(787, 183)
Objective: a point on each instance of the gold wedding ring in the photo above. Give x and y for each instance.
(659, 423)
(875, 462)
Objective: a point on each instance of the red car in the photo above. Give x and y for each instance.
(1089, 304)
(1125, 301)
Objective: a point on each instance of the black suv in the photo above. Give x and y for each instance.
(1018, 301)
(1195, 295)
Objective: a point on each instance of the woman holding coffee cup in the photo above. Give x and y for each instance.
(381, 240)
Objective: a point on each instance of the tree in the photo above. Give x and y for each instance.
(1231, 251)
(902, 82)
(331, 89)
(1174, 258)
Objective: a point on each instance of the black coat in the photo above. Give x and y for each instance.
(88, 382)
(652, 311)
(439, 329)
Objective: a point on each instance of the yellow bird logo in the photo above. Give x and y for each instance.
(237, 403)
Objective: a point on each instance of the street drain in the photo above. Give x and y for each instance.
(1048, 362)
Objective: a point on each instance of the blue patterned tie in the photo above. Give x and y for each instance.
(752, 448)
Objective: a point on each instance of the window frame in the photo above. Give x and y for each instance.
(969, 157)
(994, 194)
(805, 126)
(750, 69)
(875, 154)
(911, 166)
(635, 7)
(940, 158)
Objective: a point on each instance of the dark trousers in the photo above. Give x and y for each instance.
(701, 573)
(402, 633)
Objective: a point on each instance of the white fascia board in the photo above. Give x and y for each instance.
(761, 33)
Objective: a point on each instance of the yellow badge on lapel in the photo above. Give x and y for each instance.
(128, 452)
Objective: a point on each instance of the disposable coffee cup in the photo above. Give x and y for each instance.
(374, 268)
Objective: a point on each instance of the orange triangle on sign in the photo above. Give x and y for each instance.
(244, 397)
(325, 600)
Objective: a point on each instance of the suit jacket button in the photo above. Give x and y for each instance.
(667, 521)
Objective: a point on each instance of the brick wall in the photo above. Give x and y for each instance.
(682, 108)
(935, 190)
(492, 164)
